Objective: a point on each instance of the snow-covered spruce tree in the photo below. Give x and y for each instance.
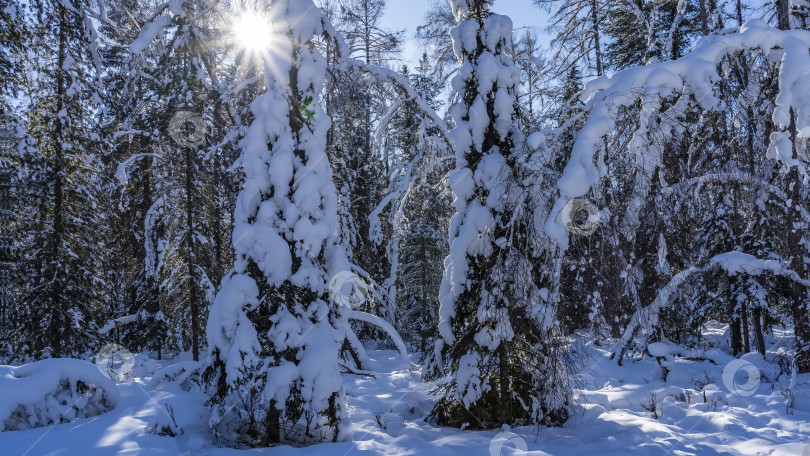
(274, 336)
(12, 31)
(12, 34)
(359, 176)
(582, 287)
(501, 359)
(642, 32)
(8, 255)
(62, 298)
(793, 122)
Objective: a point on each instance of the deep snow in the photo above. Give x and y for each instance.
(387, 413)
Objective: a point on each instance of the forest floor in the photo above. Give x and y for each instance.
(698, 411)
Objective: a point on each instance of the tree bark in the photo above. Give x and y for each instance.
(783, 14)
(801, 319)
(758, 331)
(503, 386)
(272, 429)
(54, 295)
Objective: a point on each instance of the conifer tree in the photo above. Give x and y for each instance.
(422, 213)
(365, 170)
(503, 364)
(12, 35)
(62, 299)
(274, 336)
(644, 32)
(129, 168)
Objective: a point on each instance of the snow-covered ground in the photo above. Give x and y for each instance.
(700, 411)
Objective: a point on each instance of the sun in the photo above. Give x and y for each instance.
(252, 31)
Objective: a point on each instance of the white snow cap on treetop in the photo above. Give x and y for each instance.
(461, 8)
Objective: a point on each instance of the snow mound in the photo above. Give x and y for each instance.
(53, 391)
(144, 366)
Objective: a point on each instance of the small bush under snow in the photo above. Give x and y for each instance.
(53, 391)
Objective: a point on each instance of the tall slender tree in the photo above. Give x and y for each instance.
(496, 343)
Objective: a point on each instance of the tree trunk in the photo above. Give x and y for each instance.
(597, 46)
(195, 312)
(745, 328)
(704, 20)
(272, 429)
(783, 14)
(424, 285)
(801, 327)
(739, 13)
(55, 331)
(503, 384)
(758, 331)
(736, 335)
(801, 319)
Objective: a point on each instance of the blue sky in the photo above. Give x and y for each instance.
(408, 14)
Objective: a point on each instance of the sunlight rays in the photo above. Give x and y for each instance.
(252, 31)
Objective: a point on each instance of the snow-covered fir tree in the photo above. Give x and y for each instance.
(13, 30)
(421, 214)
(497, 357)
(274, 335)
(366, 171)
(130, 180)
(642, 32)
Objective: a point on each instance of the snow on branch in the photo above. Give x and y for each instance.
(385, 326)
(691, 78)
(646, 319)
(117, 323)
(738, 177)
(121, 173)
(401, 82)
